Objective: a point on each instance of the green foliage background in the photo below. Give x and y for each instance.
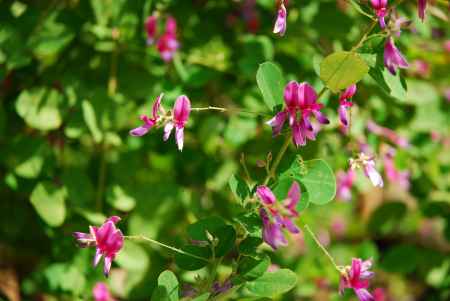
(75, 75)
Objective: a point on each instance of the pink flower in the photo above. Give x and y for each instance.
(301, 103)
(421, 7)
(367, 163)
(100, 292)
(149, 122)
(379, 294)
(380, 7)
(280, 24)
(168, 44)
(393, 59)
(180, 116)
(344, 184)
(344, 103)
(107, 239)
(282, 215)
(150, 27)
(394, 175)
(420, 68)
(357, 277)
(388, 134)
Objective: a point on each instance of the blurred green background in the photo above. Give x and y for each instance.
(75, 75)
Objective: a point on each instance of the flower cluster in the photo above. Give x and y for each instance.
(357, 277)
(281, 215)
(344, 103)
(167, 44)
(177, 120)
(387, 133)
(367, 163)
(301, 104)
(107, 239)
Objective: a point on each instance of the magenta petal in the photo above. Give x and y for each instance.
(277, 122)
(167, 130)
(97, 257)
(181, 110)
(393, 59)
(321, 117)
(179, 137)
(372, 174)
(294, 194)
(272, 232)
(150, 26)
(140, 131)
(100, 292)
(290, 225)
(364, 295)
(291, 95)
(265, 195)
(297, 135)
(171, 26)
(156, 106)
(107, 265)
(280, 23)
(343, 115)
(115, 219)
(421, 6)
(306, 94)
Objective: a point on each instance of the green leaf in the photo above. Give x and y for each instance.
(249, 245)
(239, 188)
(253, 267)
(218, 229)
(272, 283)
(91, 121)
(40, 108)
(251, 222)
(120, 198)
(167, 289)
(317, 179)
(49, 202)
(270, 81)
(190, 263)
(342, 69)
(30, 155)
(393, 85)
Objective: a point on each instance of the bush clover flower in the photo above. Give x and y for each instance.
(421, 7)
(301, 103)
(344, 103)
(280, 23)
(367, 163)
(357, 277)
(180, 116)
(150, 27)
(149, 122)
(107, 239)
(393, 58)
(100, 292)
(168, 44)
(380, 7)
(281, 215)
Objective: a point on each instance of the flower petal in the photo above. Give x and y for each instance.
(181, 110)
(265, 195)
(179, 137)
(167, 130)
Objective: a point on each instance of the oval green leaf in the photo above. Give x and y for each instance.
(49, 202)
(272, 283)
(270, 81)
(342, 69)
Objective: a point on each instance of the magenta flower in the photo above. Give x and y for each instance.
(401, 178)
(380, 7)
(344, 184)
(280, 24)
(421, 7)
(149, 122)
(367, 163)
(107, 239)
(168, 44)
(393, 59)
(344, 103)
(388, 134)
(180, 116)
(100, 292)
(357, 277)
(301, 103)
(282, 215)
(150, 27)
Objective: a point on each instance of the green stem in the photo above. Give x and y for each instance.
(146, 239)
(220, 109)
(277, 161)
(321, 247)
(364, 37)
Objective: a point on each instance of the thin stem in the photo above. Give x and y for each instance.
(316, 240)
(278, 158)
(220, 109)
(324, 89)
(144, 238)
(364, 37)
